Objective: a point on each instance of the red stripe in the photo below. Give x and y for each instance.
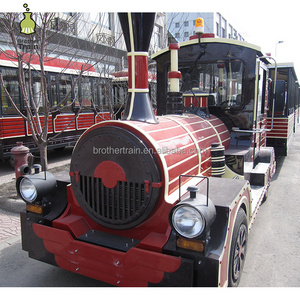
(12, 127)
(48, 61)
(61, 121)
(85, 121)
(141, 71)
(174, 46)
(174, 74)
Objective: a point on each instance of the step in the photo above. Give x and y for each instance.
(258, 175)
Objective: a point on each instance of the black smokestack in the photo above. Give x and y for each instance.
(137, 29)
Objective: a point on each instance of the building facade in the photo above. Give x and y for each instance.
(84, 36)
(182, 25)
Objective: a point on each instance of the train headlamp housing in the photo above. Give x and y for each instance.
(192, 217)
(187, 221)
(32, 188)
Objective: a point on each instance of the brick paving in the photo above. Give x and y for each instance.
(9, 225)
(10, 202)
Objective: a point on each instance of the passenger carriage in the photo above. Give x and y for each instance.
(286, 108)
(92, 94)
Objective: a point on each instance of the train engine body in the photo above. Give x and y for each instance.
(124, 182)
(149, 201)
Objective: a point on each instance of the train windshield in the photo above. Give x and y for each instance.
(220, 81)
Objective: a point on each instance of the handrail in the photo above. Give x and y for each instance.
(195, 176)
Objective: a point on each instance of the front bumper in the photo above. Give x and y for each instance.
(134, 268)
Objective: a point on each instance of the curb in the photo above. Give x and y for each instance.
(12, 205)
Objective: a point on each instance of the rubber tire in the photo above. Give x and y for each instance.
(240, 231)
(265, 196)
(12, 161)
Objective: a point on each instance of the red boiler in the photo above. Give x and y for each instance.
(116, 161)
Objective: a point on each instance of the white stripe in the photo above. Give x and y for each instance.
(132, 66)
(138, 90)
(213, 127)
(162, 129)
(192, 137)
(181, 162)
(176, 178)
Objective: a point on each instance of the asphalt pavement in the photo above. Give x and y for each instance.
(273, 258)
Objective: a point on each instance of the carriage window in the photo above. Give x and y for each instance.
(100, 91)
(280, 98)
(11, 83)
(86, 92)
(120, 91)
(53, 91)
(36, 91)
(119, 95)
(221, 82)
(65, 94)
(83, 93)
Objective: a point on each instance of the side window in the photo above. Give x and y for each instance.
(102, 91)
(101, 95)
(83, 93)
(280, 98)
(64, 92)
(53, 95)
(120, 88)
(86, 92)
(36, 90)
(11, 83)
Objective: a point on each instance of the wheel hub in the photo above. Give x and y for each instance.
(239, 256)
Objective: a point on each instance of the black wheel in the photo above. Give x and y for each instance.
(238, 249)
(12, 161)
(266, 195)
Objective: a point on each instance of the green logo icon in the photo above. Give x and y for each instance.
(27, 24)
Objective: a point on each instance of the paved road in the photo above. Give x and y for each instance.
(9, 225)
(273, 258)
(17, 270)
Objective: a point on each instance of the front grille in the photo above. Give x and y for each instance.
(134, 198)
(120, 205)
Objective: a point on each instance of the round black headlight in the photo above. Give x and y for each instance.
(27, 190)
(34, 187)
(188, 221)
(193, 216)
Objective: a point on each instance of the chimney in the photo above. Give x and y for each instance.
(174, 104)
(137, 29)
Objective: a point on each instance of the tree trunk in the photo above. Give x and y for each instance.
(43, 157)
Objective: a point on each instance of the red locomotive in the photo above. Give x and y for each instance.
(162, 200)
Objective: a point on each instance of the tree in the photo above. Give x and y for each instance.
(52, 37)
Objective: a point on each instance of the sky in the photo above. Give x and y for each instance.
(265, 23)
(260, 22)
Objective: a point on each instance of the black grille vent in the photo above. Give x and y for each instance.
(129, 203)
(120, 205)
